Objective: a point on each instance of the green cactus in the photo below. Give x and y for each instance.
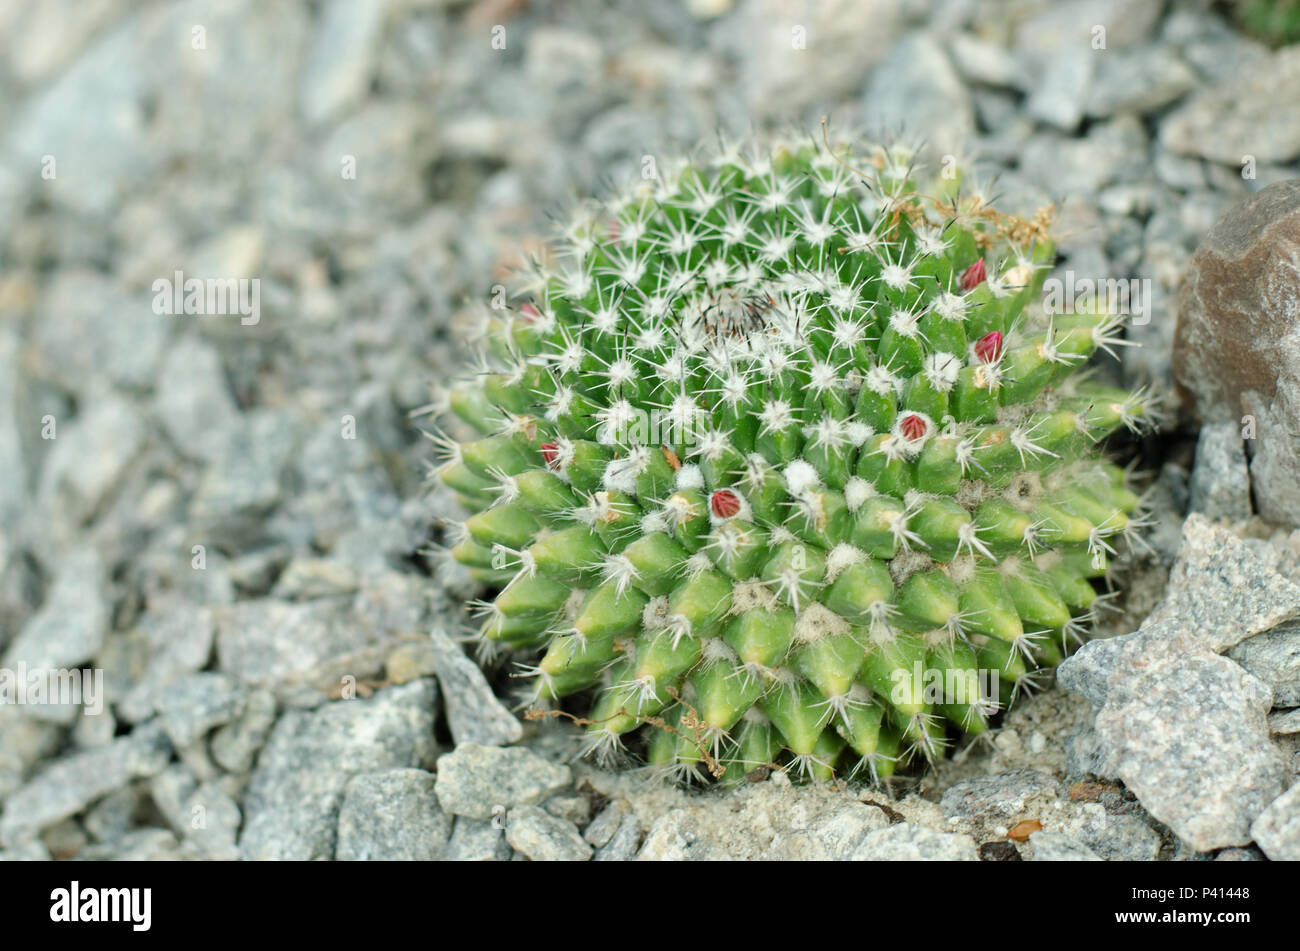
(1274, 21)
(777, 443)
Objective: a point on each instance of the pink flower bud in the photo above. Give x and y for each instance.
(988, 348)
(551, 453)
(912, 427)
(724, 503)
(973, 276)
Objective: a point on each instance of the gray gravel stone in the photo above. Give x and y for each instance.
(1003, 796)
(33, 850)
(392, 816)
(1274, 657)
(193, 399)
(1222, 589)
(481, 781)
(478, 840)
(543, 837)
(1220, 483)
(291, 808)
(342, 58)
(212, 822)
(87, 462)
(1061, 92)
(603, 828)
(192, 707)
(1277, 829)
(1184, 728)
(1254, 112)
(1054, 847)
(473, 712)
(69, 785)
(905, 842)
(981, 61)
(1115, 837)
(623, 844)
(177, 639)
(1140, 80)
(263, 641)
(235, 745)
(1284, 723)
(113, 816)
(916, 90)
(69, 629)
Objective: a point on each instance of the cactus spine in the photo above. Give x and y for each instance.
(775, 443)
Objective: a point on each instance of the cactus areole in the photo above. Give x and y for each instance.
(780, 460)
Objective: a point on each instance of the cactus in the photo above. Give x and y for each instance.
(778, 441)
(1277, 22)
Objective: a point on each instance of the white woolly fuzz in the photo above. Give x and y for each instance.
(751, 595)
(856, 491)
(621, 474)
(842, 556)
(949, 306)
(905, 323)
(858, 433)
(689, 477)
(941, 370)
(653, 521)
(799, 477)
(883, 383)
(816, 622)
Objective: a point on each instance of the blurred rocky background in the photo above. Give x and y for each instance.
(226, 516)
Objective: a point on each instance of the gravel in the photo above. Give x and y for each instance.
(483, 781)
(295, 794)
(229, 519)
(392, 816)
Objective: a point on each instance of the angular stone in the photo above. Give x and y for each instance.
(1003, 796)
(68, 785)
(478, 840)
(474, 714)
(1237, 343)
(544, 837)
(1220, 482)
(392, 816)
(1256, 112)
(917, 90)
(623, 844)
(905, 842)
(1187, 731)
(1054, 847)
(1277, 830)
(293, 800)
(1222, 591)
(482, 781)
(1274, 657)
(192, 707)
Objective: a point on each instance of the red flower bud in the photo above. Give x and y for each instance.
(724, 503)
(973, 276)
(912, 427)
(529, 313)
(551, 453)
(988, 348)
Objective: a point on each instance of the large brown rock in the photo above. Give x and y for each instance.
(1237, 343)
